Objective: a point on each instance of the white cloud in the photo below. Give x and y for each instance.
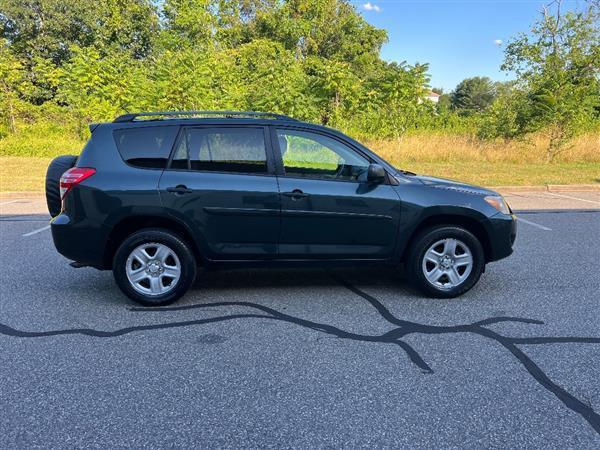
(371, 7)
(498, 41)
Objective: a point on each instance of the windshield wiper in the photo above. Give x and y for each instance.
(406, 172)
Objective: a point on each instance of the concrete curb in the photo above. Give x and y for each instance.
(573, 187)
(518, 188)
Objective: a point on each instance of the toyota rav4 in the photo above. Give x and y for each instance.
(154, 196)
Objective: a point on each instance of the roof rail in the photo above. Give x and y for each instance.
(230, 114)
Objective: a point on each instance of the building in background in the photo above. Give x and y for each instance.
(433, 97)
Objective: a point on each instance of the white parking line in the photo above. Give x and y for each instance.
(537, 225)
(7, 203)
(575, 198)
(39, 230)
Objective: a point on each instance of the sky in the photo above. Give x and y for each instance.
(458, 38)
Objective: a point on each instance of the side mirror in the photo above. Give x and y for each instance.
(375, 174)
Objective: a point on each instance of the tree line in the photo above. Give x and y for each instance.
(316, 60)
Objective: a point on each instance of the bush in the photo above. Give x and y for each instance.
(46, 130)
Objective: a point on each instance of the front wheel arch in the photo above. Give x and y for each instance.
(468, 223)
(439, 235)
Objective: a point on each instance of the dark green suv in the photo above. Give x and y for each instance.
(155, 195)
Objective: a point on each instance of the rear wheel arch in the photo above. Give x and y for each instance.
(468, 223)
(157, 278)
(129, 225)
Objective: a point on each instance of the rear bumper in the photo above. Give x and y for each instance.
(80, 242)
(502, 236)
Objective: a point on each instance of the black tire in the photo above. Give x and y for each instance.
(57, 167)
(155, 236)
(416, 255)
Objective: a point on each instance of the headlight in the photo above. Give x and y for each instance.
(499, 203)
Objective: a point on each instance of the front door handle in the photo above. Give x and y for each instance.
(296, 194)
(180, 190)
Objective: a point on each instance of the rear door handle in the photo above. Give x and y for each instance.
(296, 194)
(180, 190)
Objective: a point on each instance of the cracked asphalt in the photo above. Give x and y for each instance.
(305, 358)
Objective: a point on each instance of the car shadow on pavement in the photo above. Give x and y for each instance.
(291, 278)
(402, 328)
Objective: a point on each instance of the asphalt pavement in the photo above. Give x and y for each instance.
(305, 358)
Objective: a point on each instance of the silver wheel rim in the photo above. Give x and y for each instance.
(447, 263)
(153, 269)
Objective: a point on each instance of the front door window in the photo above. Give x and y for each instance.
(313, 155)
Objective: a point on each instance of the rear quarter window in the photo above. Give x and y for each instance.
(147, 147)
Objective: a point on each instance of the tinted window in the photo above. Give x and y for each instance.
(146, 147)
(221, 150)
(308, 154)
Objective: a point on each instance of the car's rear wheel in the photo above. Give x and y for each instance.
(445, 261)
(57, 167)
(154, 267)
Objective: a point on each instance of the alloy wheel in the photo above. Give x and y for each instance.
(447, 263)
(153, 269)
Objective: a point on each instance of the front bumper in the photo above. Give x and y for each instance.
(502, 236)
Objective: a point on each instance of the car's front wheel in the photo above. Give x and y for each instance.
(445, 261)
(154, 267)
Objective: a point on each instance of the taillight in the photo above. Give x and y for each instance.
(72, 177)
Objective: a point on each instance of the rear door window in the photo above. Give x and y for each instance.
(230, 149)
(147, 147)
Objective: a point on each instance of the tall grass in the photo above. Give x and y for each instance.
(44, 131)
(49, 139)
(448, 148)
(24, 155)
(42, 140)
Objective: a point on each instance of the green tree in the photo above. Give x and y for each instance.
(314, 59)
(127, 26)
(48, 28)
(99, 87)
(335, 88)
(270, 78)
(443, 105)
(396, 104)
(473, 95)
(188, 23)
(330, 29)
(558, 65)
(508, 116)
(13, 86)
(186, 78)
(42, 33)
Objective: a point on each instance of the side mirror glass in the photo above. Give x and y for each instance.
(375, 174)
